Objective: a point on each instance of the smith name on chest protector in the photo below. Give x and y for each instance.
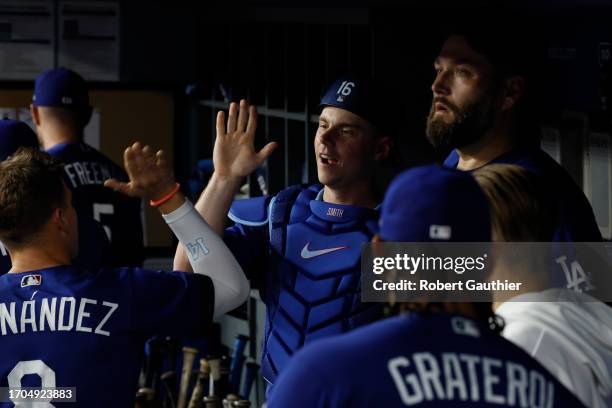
(311, 282)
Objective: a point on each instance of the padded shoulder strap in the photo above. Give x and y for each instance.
(301, 208)
(280, 212)
(252, 212)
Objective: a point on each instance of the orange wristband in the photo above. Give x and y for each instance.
(166, 198)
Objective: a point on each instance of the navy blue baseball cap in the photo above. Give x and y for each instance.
(13, 135)
(361, 96)
(61, 88)
(435, 204)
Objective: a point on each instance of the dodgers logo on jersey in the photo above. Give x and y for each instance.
(31, 280)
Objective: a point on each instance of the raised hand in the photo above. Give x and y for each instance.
(150, 175)
(234, 154)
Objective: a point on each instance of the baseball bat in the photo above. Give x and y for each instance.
(241, 404)
(215, 375)
(211, 401)
(168, 380)
(173, 347)
(145, 398)
(235, 373)
(224, 371)
(249, 378)
(155, 350)
(189, 354)
(227, 401)
(198, 390)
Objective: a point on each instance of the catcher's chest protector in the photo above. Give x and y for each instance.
(313, 287)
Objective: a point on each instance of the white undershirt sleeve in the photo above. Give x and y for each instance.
(208, 255)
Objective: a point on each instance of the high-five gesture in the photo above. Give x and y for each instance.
(150, 174)
(234, 157)
(234, 154)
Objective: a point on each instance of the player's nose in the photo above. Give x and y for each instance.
(440, 85)
(326, 136)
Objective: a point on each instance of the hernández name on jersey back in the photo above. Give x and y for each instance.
(69, 327)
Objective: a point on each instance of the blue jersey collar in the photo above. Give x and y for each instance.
(517, 155)
(60, 146)
(338, 212)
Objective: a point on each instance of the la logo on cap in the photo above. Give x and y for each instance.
(440, 232)
(31, 280)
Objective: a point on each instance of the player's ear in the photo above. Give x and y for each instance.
(35, 113)
(60, 220)
(56, 218)
(514, 88)
(382, 148)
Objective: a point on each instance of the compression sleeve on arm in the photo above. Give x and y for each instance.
(208, 255)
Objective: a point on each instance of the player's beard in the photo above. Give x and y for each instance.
(469, 126)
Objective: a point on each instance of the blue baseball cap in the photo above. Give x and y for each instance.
(435, 204)
(61, 88)
(13, 135)
(361, 96)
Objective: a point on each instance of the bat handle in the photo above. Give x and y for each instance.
(215, 374)
(236, 373)
(211, 401)
(229, 400)
(198, 390)
(189, 354)
(249, 378)
(237, 362)
(168, 380)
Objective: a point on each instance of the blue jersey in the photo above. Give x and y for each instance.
(433, 360)
(576, 218)
(85, 171)
(305, 260)
(68, 327)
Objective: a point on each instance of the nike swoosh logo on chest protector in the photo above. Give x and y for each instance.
(307, 253)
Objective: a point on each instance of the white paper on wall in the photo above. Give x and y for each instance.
(26, 39)
(89, 39)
